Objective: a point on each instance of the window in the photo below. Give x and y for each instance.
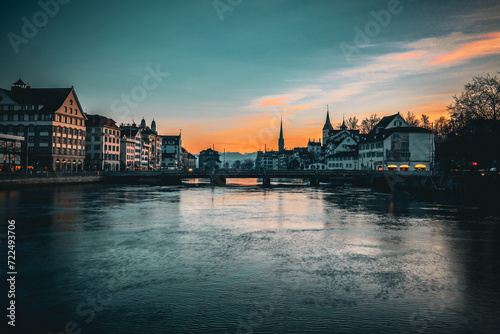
(71, 102)
(65, 109)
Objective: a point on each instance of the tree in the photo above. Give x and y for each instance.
(247, 164)
(441, 127)
(352, 123)
(237, 164)
(369, 123)
(480, 100)
(411, 119)
(425, 122)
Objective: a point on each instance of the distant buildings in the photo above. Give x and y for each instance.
(145, 142)
(52, 122)
(391, 145)
(209, 159)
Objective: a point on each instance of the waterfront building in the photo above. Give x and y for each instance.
(209, 159)
(131, 142)
(341, 150)
(52, 122)
(394, 145)
(314, 147)
(102, 143)
(127, 152)
(151, 144)
(171, 151)
(188, 160)
(147, 150)
(11, 153)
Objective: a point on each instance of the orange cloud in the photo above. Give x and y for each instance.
(489, 44)
(276, 102)
(299, 108)
(409, 55)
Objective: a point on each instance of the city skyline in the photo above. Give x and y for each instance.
(224, 73)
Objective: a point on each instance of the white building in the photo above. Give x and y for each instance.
(171, 147)
(394, 145)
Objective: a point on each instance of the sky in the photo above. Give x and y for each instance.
(224, 72)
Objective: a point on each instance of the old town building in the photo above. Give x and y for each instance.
(52, 122)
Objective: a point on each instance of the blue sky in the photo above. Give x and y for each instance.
(230, 79)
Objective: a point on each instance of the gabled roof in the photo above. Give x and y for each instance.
(99, 120)
(51, 98)
(383, 123)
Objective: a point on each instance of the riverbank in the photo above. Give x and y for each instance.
(26, 180)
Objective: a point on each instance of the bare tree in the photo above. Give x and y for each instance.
(442, 127)
(479, 100)
(425, 122)
(411, 119)
(369, 123)
(352, 123)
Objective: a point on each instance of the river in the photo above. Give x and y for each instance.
(247, 259)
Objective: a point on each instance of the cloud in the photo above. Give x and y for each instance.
(487, 45)
(274, 102)
(409, 55)
(300, 107)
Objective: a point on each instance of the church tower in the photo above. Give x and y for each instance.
(327, 127)
(343, 126)
(281, 141)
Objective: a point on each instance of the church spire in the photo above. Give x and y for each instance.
(327, 127)
(328, 124)
(281, 140)
(343, 126)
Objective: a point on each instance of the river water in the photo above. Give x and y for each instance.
(247, 259)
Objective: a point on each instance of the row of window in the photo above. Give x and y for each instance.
(371, 155)
(342, 158)
(370, 146)
(14, 117)
(19, 107)
(33, 129)
(69, 120)
(111, 148)
(68, 141)
(340, 165)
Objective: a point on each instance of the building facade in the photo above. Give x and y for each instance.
(52, 122)
(394, 145)
(209, 159)
(11, 153)
(171, 152)
(102, 143)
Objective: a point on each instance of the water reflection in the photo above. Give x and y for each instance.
(282, 259)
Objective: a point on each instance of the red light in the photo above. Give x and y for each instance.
(474, 164)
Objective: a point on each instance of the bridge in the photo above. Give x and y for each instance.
(219, 177)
